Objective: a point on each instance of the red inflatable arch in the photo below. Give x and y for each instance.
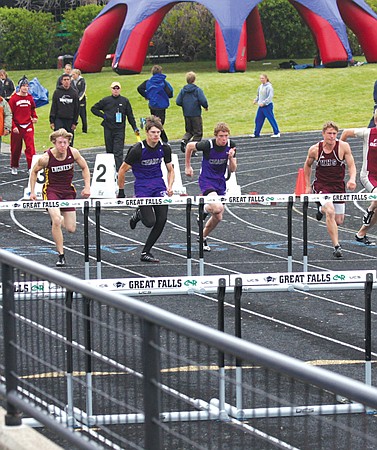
(239, 37)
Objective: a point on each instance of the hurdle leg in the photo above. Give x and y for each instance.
(188, 236)
(98, 240)
(290, 208)
(238, 333)
(305, 235)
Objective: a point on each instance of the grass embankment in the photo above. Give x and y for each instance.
(304, 99)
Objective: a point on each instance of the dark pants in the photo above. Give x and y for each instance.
(66, 124)
(161, 113)
(153, 217)
(194, 129)
(114, 142)
(82, 113)
(372, 123)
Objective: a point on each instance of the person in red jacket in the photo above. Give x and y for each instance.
(24, 117)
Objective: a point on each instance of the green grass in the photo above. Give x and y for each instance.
(304, 99)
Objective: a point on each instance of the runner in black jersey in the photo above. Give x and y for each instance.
(58, 164)
(145, 160)
(331, 156)
(218, 154)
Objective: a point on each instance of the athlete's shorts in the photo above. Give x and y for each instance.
(52, 194)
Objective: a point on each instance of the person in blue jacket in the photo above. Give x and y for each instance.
(157, 91)
(192, 99)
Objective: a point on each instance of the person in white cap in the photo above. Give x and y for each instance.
(114, 110)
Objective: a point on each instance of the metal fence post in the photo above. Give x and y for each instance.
(13, 415)
(152, 398)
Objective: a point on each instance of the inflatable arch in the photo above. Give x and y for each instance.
(239, 34)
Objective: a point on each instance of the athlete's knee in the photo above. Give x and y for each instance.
(148, 222)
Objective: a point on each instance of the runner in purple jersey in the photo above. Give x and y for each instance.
(144, 158)
(58, 164)
(218, 154)
(368, 174)
(330, 156)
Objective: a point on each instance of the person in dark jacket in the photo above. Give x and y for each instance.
(64, 112)
(114, 110)
(191, 98)
(157, 91)
(6, 85)
(78, 82)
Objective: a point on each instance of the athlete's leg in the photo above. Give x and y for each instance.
(161, 215)
(69, 220)
(216, 210)
(56, 228)
(332, 227)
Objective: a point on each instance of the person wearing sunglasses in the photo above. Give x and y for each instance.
(114, 110)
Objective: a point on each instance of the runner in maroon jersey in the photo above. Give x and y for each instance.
(331, 156)
(58, 164)
(368, 174)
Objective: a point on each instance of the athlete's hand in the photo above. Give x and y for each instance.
(121, 193)
(189, 171)
(85, 193)
(351, 185)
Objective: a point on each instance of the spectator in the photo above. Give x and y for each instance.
(58, 164)
(5, 118)
(64, 112)
(218, 154)
(6, 85)
(114, 110)
(265, 111)
(145, 160)
(191, 98)
(79, 83)
(24, 117)
(157, 91)
(67, 71)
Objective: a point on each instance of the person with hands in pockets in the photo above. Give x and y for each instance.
(219, 154)
(144, 158)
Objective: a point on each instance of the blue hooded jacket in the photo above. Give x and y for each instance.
(156, 91)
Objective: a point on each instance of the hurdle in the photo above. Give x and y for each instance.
(306, 198)
(305, 281)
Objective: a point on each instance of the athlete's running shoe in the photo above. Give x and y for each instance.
(367, 217)
(338, 251)
(134, 219)
(206, 247)
(364, 240)
(61, 262)
(319, 214)
(148, 257)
